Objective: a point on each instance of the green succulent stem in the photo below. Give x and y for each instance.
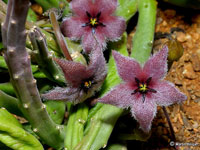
(7, 88)
(52, 45)
(10, 103)
(19, 66)
(143, 39)
(127, 9)
(75, 125)
(44, 58)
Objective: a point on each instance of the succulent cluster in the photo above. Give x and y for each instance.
(140, 87)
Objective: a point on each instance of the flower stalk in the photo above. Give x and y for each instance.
(60, 38)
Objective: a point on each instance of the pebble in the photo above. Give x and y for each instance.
(195, 125)
(193, 97)
(188, 71)
(170, 13)
(181, 37)
(195, 62)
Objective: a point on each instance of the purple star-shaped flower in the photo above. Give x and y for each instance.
(93, 18)
(143, 88)
(82, 81)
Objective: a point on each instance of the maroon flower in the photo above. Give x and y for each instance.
(143, 88)
(93, 18)
(82, 81)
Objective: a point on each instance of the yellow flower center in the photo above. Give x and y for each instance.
(93, 21)
(87, 84)
(143, 87)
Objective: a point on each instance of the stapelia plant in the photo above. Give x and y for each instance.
(143, 88)
(82, 80)
(93, 17)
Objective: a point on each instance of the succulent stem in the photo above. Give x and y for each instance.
(43, 57)
(19, 66)
(10, 103)
(75, 125)
(144, 35)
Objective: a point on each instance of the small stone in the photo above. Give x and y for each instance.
(37, 8)
(164, 23)
(195, 62)
(177, 81)
(193, 97)
(195, 125)
(197, 93)
(181, 37)
(159, 20)
(188, 71)
(197, 100)
(170, 13)
(175, 129)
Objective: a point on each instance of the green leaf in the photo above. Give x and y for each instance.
(14, 136)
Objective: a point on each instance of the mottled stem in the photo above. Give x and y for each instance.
(43, 56)
(19, 66)
(60, 38)
(29, 25)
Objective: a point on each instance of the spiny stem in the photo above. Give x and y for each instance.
(19, 66)
(60, 38)
(43, 57)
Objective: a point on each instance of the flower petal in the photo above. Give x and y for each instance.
(127, 68)
(144, 113)
(97, 64)
(72, 27)
(74, 72)
(114, 27)
(74, 95)
(89, 41)
(106, 7)
(120, 96)
(156, 66)
(61, 94)
(167, 94)
(79, 7)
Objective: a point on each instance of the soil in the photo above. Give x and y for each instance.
(185, 74)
